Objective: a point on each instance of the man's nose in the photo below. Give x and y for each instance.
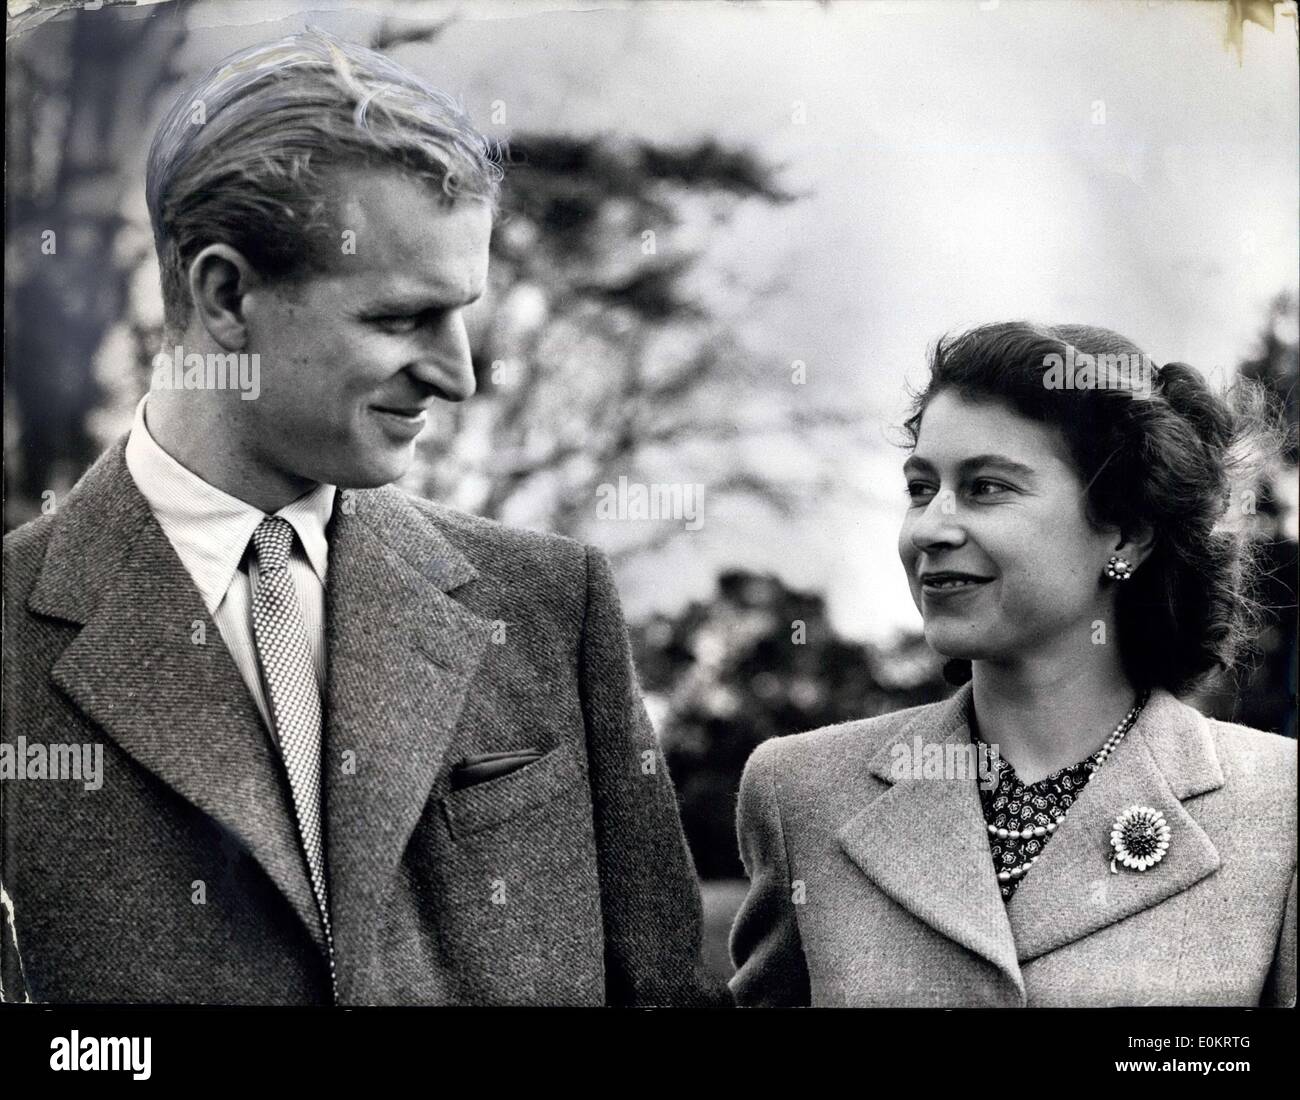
(445, 364)
(938, 524)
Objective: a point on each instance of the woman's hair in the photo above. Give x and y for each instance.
(1153, 445)
(245, 156)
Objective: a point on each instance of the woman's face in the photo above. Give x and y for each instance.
(1000, 558)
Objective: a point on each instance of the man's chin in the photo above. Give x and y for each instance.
(369, 474)
(369, 480)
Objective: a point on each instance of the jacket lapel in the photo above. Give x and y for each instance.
(179, 709)
(1166, 758)
(402, 654)
(922, 841)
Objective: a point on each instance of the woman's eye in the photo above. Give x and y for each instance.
(984, 487)
(918, 491)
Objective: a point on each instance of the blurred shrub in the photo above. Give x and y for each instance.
(759, 660)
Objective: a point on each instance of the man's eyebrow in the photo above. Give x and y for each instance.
(417, 302)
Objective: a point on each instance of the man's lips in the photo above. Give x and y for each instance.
(411, 412)
(400, 423)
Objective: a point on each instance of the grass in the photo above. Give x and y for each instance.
(722, 897)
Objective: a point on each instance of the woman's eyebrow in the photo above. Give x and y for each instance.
(999, 462)
(915, 464)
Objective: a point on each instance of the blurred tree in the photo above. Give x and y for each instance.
(612, 350)
(1276, 365)
(1264, 695)
(759, 660)
(607, 355)
(74, 113)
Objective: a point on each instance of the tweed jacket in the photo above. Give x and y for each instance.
(872, 890)
(181, 878)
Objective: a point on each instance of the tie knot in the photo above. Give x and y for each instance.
(272, 542)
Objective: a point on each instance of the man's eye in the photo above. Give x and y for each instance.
(398, 323)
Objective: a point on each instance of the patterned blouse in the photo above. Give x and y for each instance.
(1014, 804)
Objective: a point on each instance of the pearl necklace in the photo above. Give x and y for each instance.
(1031, 831)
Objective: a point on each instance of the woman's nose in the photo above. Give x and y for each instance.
(938, 524)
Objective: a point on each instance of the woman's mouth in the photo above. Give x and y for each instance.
(947, 582)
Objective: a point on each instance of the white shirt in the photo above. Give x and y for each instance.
(210, 531)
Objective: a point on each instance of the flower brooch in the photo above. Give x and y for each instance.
(1140, 837)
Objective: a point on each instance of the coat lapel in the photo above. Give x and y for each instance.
(179, 709)
(1166, 758)
(402, 654)
(922, 841)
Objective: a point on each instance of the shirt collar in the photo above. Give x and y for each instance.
(209, 528)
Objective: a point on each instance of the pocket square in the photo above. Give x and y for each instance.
(491, 765)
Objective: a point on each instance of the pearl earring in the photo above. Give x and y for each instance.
(1118, 568)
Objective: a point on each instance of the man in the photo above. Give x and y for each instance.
(356, 747)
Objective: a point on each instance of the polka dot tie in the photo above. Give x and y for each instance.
(295, 697)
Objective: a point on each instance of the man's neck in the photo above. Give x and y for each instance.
(198, 436)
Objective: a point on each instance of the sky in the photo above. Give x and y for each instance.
(1107, 161)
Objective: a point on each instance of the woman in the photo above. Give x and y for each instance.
(1063, 830)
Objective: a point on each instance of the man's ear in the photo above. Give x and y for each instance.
(220, 277)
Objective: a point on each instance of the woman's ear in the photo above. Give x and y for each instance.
(220, 277)
(1136, 544)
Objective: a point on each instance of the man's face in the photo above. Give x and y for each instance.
(350, 358)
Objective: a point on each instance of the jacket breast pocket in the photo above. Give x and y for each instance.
(484, 805)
